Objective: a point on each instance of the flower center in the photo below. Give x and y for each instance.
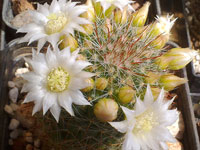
(145, 122)
(58, 80)
(56, 23)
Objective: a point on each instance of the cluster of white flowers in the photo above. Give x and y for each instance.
(57, 76)
(50, 22)
(146, 125)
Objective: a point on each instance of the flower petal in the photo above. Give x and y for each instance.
(130, 143)
(162, 133)
(42, 9)
(54, 7)
(38, 18)
(29, 27)
(79, 65)
(37, 107)
(169, 117)
(139, 106)
(48, 101)
(148, 98)
(65, 101)
(84, 74)
(36, 37)
(39, 68)
(51, 58)
(53, 39)
(129, 113)
(78, 98)
(41, 43)
(33, 95)
(65, 53)
(120, 126)
(78, 83)
(32, 77)
(55, 111)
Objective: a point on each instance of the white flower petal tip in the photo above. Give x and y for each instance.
(120, 126)
(165, 23)
(146, 126)
(52, 21)
(148, 98)
(54, 83)
(117, 3)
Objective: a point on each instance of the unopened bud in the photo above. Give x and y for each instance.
(152, 77)
(68, 41)
(163, 62)
(101, 83)
(121, 16)
(90, 82)
(89, 14)
(109, 11)
(142, 31)
(180, 57)
(126, 94)
(106, 109)
(160, 41)
(98, 9)
(169, 81)
(140, 16)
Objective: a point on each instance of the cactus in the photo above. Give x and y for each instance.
(125, 57)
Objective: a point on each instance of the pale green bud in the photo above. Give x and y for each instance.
(176, 58)
(98, 9)
(180, 57)
(152, 77)
(106, 110)
(68, 41)
(139, 17)
(121, 16)
(109, 11)
(101, 83)
(163, 62)
(160, 41)
(90, 14)
(142, 31)
(170, 81)
(126, 94)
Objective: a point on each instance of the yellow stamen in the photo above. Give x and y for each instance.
(56, 23)
(58, 80)
(145, 122)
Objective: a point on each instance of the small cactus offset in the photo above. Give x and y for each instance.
(108, 69)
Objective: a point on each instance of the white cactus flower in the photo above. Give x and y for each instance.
(164, 24)
(55, 81)
(118, 3)
(52, 21)
(146, 126)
